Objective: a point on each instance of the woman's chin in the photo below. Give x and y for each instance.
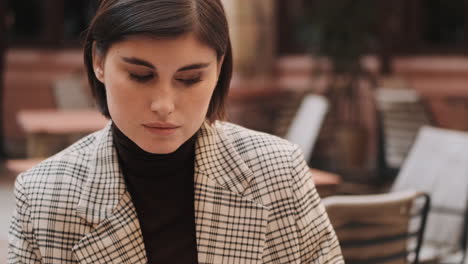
(158, 148)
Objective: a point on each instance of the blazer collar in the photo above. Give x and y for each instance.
(104, 186)
(105, 203)
(220, 174)
(226, 210)
(217, 158)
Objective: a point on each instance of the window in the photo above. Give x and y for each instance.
(444, 22)
(78, 14)
(24, 20)
(51, 23)
(406, 26)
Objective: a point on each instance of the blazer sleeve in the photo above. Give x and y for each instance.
(317, 239)
(22, 247)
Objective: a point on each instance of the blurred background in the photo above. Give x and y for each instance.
(384, 69)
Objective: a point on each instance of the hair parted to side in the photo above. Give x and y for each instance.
(115, 20)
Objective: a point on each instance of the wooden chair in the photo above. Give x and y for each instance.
(307, 123)
(70, 93)
(262, 109)
(51, 130)
(403, 114)
(438, 165)
(382, 228)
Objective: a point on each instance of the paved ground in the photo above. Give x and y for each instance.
(6, 209)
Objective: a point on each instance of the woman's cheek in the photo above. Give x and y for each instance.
(203, 98)
(121, 91)
(118, 96)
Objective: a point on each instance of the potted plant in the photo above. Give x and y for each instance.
(341, 32)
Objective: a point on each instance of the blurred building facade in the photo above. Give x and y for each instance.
(422, 42)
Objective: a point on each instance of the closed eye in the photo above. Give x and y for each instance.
(189, 82)
(141, 78)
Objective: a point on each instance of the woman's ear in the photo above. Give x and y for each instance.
(98, 64)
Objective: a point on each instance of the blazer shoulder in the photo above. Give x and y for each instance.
(259, 149)
(242, 137)
(66, 167)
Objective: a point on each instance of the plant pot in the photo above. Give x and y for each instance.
(351, 147)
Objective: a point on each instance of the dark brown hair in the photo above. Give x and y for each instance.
(115, 20)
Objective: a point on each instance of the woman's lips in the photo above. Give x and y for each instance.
(161, 129)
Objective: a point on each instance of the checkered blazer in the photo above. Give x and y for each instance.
(255, 202)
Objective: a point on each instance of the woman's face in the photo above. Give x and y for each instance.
(158, 90)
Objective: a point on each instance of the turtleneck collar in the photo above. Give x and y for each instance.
(162, 190)
(136, 159)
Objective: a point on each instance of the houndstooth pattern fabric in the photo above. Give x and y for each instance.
(255, 202)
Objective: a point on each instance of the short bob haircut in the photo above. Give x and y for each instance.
(115, 20)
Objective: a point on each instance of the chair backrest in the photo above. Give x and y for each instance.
(381, 228)
(69, 93)
(306, 125)
(403, 114)
(438, 164)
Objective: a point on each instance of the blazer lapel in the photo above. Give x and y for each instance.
(230, 225)
(115, 235)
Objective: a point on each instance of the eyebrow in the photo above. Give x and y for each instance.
(195, 66)
(136, 61)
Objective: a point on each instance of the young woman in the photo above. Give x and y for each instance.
(165, 182)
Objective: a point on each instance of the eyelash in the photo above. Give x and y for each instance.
(140, 78)
(189, 82)
(145, 78)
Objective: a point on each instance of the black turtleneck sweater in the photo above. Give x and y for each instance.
(161, 187)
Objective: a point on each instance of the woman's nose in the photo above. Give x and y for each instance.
(163, 102)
